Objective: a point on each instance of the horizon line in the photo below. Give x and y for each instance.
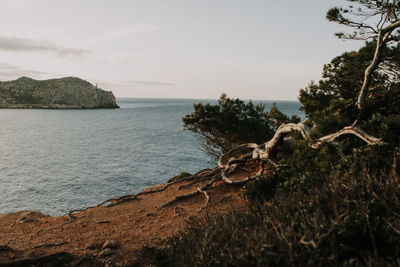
(214, 99)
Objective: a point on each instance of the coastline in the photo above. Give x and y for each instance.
(54, 106)
(129, 226)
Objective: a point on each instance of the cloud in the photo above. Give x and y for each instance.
(17, 44)
(132, 84)
(10, 72)
(127, 31)
(150, 83)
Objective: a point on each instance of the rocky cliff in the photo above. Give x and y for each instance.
(67, 92)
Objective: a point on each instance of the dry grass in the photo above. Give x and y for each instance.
(352, 218)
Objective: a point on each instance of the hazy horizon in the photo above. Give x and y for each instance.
(213, 99)
(260, 50)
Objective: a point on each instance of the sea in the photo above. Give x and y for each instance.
(54, 161)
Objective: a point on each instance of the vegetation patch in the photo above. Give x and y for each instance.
(330, 194)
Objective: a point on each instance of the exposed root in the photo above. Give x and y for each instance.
(50, 245)
(215, 171)
(245, 159)
(241, 155)
(72, 217)
(215, 203)
(111, 201)
(242, 181)
(205, 177)
(190, 195)
(203, 174)
(179, 198)
(117, 201)
(242, 169)
(200, 174)
(270, 162)
(193, 182)
(236, 153)
(206, 195)
(238, 158)
(219, 174)
(239, 182)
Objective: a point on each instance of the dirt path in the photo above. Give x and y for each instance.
(130, 225)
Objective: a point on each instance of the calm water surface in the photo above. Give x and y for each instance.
(57, 160)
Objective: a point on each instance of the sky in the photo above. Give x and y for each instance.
(251, 49)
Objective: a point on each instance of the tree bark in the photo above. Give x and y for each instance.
(278, 136)
(368, 72)
(382, 39)
(369, 139)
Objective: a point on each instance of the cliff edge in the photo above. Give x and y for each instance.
(111, 235)
(68, 93)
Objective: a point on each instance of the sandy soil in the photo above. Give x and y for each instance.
(129, 225)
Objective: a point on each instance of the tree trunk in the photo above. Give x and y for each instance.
(383, 37)
(369, 70)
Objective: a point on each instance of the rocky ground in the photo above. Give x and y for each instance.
(110, 235)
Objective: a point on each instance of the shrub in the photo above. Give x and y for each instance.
(349, 218)
(232, 122)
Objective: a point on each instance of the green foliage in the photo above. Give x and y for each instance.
(277, 117)
(336, 205)
(364, 17)
(266, 186)
(350, 217)
(151, 256)
(337, 93)
(330, 103)
(304, 169)
(383, 114)
(232, 122)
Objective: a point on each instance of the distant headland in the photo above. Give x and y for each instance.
(63, 93)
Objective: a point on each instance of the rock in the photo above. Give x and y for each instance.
(106, 252)
(110, 243)
(29, 216)
(178, 210)
(64, 93)
(93, 246)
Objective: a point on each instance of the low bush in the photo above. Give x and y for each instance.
(351, 217)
